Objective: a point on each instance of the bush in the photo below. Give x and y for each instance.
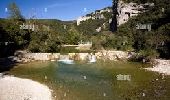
(148, 54)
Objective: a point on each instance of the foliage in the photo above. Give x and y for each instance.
(158, 39)
(148, 54)
(14, 12)
(148, 43)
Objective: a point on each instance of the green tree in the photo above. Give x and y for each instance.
(73, 36)
(20, 37)
(15, 12)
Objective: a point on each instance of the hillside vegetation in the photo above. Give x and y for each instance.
(154, 43)
(149, 44)
(158, 39)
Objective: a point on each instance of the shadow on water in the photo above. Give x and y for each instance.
(6, 64)
(7, 49)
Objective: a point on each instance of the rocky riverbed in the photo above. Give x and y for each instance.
(13, 88)
(161, 66)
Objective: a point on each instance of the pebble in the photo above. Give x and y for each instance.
(143, 94)
(65, 94)
(61, 86)
(45, 77)
(104, 94)
(163, 76)
(85, 77)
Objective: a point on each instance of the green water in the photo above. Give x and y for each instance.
(98, 81)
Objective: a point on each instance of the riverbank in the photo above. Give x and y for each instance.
(13, 88)
(23, 56)
(161, 66)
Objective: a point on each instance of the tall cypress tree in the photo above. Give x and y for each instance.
(113, 24)
(15, 12)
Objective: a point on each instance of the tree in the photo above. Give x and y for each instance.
(12, 27)
(15, 12)
(73, 36)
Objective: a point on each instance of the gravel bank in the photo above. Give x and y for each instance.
(162, 66)
(13, 88)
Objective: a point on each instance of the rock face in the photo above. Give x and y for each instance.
(95, 15)
(128, 10)
(13, 88)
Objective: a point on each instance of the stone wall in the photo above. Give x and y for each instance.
(111, 55)
(104, 55)
(38, 56)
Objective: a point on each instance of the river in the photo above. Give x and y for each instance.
(97, 81)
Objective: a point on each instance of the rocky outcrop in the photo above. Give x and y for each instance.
(128, 10)
(23, 56)
(94, 15)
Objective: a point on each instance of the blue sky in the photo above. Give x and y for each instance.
(55, 9)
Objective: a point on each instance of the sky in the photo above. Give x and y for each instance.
(54, 9)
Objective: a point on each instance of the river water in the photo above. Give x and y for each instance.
(98, 81)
